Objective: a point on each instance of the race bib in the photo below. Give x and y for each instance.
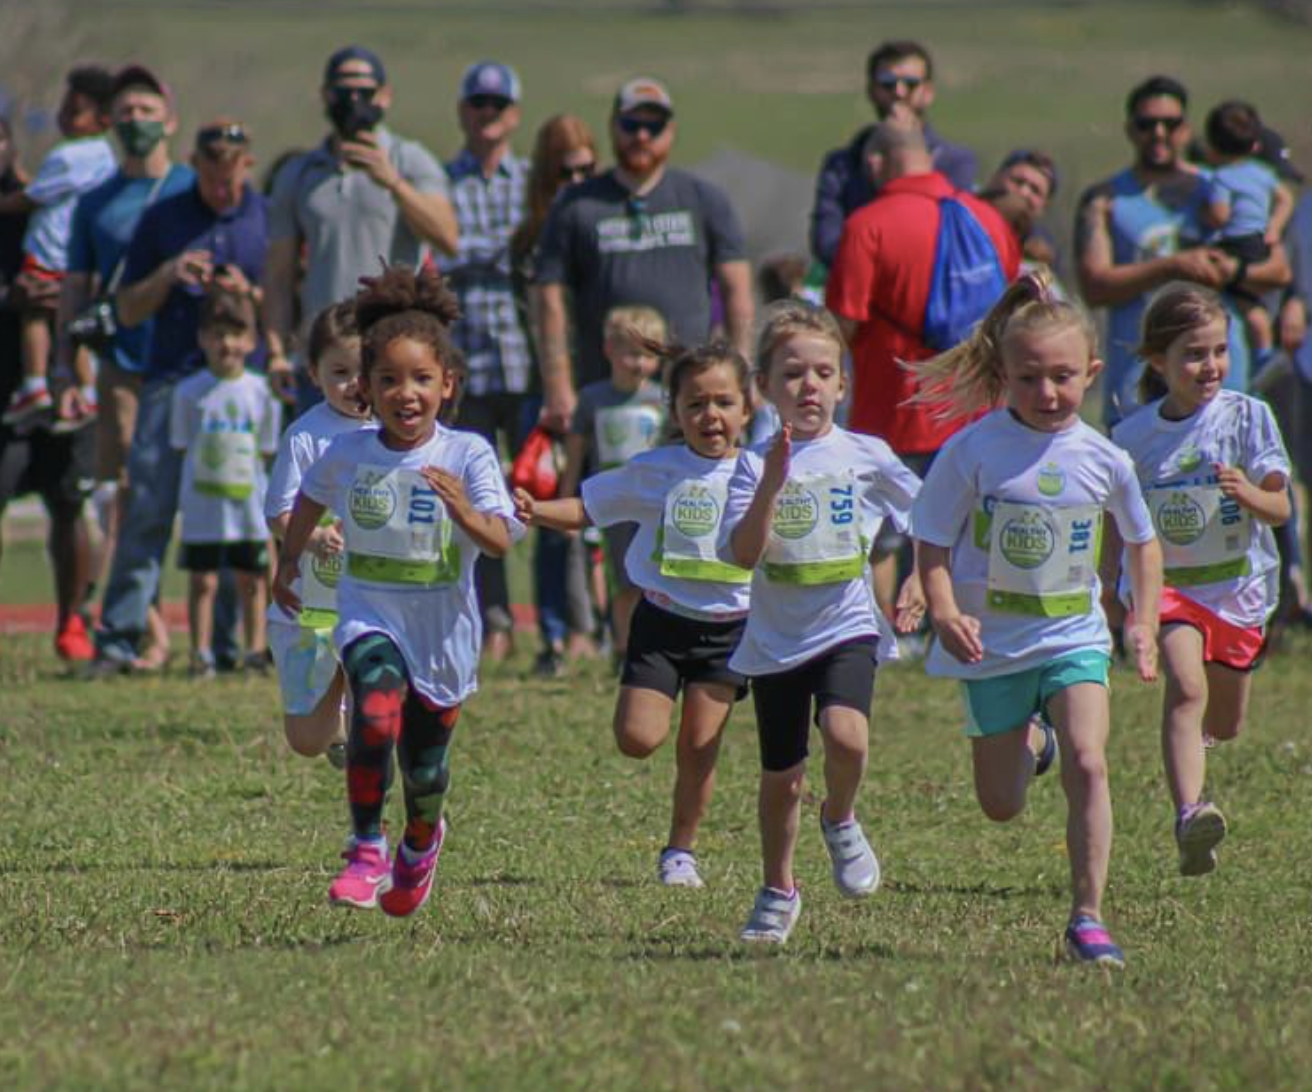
(319, 578)
(1204, 534)
(397, 530)
(815, 536)
(1043, 561)
(225, 465)
(625, 431)
(685, 545)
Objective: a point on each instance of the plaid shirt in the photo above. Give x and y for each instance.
(488, 211)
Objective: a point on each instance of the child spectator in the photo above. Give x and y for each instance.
(227, 422)
(80, 162)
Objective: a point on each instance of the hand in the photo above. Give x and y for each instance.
(72, 406)
(558, 410)
(1141, 640)
(909, 611)
(525, 507)
(959, 634)
(327, 541)
(282, 586)
(452, 491)
(30, 292)
(778, 459)
(230, 278)
(1293, 324)
(1233, 483)
(365, 152)
(281, 374)
(1204, 265)
(192, 267)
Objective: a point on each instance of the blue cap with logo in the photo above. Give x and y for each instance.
(344, 56)
(490, 78)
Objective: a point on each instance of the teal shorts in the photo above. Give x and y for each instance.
(1004, 702)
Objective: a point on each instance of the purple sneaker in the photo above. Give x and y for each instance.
(412, 883)
(1199, 829)
(1087, 941)
(367, 875)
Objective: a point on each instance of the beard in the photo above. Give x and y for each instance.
(640, 160)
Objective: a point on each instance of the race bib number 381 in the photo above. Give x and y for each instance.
(1043, 560)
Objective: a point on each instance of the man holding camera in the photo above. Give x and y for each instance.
(362, 195)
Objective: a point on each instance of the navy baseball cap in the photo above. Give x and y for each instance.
(490, 78)
(1271, 148)
(347, 54)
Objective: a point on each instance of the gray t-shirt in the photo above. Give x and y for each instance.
(346, 220)
(610, 248)
(617, 424)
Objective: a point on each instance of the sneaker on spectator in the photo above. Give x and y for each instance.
(1199, 829)
(678, 868)
(336, 755)
(202, 666)
(856, 868)
(367, 875)
(26, 402)
(550, 664)
(412, 881)
(774, 913)
(1087, 941)
(72, 643)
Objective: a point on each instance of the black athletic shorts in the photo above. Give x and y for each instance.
(60, 469)
(210, 557)
(843, 675)
(668, 651)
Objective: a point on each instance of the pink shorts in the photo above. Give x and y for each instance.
(1224, 643)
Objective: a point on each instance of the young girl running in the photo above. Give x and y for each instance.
(418, 502)
(1008, 528)
(1216, 475)
(693, 605)
(310, 677)
(802, 512)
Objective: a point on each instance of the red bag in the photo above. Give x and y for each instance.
(534, 469)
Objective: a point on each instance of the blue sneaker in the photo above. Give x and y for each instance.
(1087, 941)
(1043, 763)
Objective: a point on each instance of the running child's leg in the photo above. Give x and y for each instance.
(706, 709)
(1183, 709)
(1004, 766)
(423, 757)
(313, 733)
(779, 809)
(1081, 715)
(846, 734)
(376, 672)
(1227, 700)
(642, 720)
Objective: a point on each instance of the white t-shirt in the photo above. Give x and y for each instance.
(70, 169)
(410, 568)
(811, 590)
(228, 428)
(677, 499)
(301, 445)
(1216, 553)
(1022, 511)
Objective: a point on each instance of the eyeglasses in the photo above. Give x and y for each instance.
(221, 134)
(488, 102)
(1148, 124)
(578, 172)
(889, 82)
(653, 127)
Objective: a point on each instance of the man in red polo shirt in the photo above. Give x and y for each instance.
(879, 287)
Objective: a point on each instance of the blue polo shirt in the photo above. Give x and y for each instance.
(103, 223)
(184, 222)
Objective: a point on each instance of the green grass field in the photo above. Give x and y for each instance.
(163, 921)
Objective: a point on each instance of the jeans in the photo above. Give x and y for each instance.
(154, 476)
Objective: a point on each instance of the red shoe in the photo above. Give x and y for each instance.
(24, 404)
(72, 643)
(411, 883)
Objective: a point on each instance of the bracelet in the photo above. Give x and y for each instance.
(1240, 275)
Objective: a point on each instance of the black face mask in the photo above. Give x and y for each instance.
(353, 111)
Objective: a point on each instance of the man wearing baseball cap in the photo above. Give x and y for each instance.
(641, 233)
(362, 194)
(488, 183)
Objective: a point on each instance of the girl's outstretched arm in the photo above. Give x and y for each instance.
(563, 514)
(1145, 566)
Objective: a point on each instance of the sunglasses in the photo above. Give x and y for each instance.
(488, 102)
(354, 94)
(1146, 124)
(653, 127)
(578, 173)
(221, 134)
(890, 82)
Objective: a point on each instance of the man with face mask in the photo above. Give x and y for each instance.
(362, 195)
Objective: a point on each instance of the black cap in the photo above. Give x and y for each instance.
(350, 53)
(1272, 149)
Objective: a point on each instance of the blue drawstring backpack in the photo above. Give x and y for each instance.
(967, 278)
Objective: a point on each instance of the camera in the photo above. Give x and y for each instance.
(94, 326)
(353, 111)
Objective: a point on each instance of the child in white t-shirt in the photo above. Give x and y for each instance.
(1008, 527)
(310, 677)
(418, 503)
(227, 422)
(802, 513)
(693, 606)
(614, 420)
(1214, 469)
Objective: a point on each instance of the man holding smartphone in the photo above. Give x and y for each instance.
(364, 193)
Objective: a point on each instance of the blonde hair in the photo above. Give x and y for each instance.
(784, 319)
(635, 322)
(969, 377)
(1175, 309)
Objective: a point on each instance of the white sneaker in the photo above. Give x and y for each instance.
(773, 916)
(856, 868)
(678, 868)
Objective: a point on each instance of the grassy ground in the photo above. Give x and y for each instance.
(163, 922)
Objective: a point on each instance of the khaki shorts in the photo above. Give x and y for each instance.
(118, 392)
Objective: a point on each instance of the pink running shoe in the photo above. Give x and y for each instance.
(412, 883)
(366, 876)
